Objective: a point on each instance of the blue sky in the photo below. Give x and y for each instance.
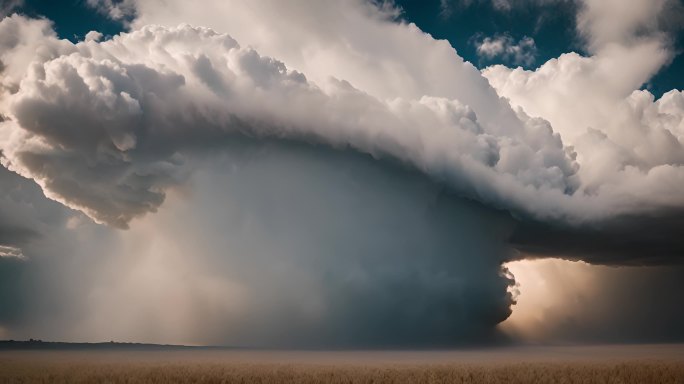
(551, 26)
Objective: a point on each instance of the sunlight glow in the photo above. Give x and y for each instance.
(545, 290)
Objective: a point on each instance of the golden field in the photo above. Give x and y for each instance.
(324, 367)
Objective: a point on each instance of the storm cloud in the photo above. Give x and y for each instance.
(354, 180)
(280, 244)
(109, 119)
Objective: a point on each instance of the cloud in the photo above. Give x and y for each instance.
(603, 23)
(504, 47)
(119, 10)
(23, 212)
(446, 8)
(301, 51)
(10, 251)
(156, 114)
(598, 23)
(407, 169)
(35, 249)
(7, 7)
(632, 240)
(314, 247)
(626, 141)
(106, 128)
(360, 249)
(355, 41)
(281, 244)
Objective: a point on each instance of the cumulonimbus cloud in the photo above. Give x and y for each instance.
(113, 127)
(105, 127)
(141, 105)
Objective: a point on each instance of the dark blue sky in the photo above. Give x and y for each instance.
(551, 26)
(72, 18)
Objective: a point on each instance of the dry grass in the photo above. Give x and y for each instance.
(60, 368)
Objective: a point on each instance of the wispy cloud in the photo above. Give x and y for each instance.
(10, 251)
(8, 6)
(507, 49)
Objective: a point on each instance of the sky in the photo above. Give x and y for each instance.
(353, 174)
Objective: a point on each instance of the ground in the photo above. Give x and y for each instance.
(600, 364)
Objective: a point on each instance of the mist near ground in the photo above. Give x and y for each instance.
(607, 353)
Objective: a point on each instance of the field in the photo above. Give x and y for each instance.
(624, 364)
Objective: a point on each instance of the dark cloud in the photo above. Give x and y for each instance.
(8, 6)
(56, 251)
(632, 305)
(23, 209)
(285, 244)
(12, 300)
(288, 244)
(649, 239)
(575, 302)
(383, 255)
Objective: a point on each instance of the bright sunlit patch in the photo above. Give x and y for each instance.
(544, 291)
(9, 251)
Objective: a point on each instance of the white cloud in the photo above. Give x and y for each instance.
(606, 22)
(353, 41)
(405, 63)
(10, 251)
(627, 143)
(93, 36)
(107, 128)
(115, 9)
(522, 52)
(350, 76)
